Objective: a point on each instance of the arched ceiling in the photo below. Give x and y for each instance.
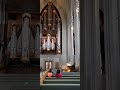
(36, 6)
(33, 5)
(23, 5)
(61, 5)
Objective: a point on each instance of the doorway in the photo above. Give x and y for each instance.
(48, 65)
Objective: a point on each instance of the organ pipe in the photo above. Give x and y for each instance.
(54, 20)
(53, 45)
(44, 44)
(48, 42)
(45, 20)
(13, 42)
(51, 21)
(25, 36)
(49, 14)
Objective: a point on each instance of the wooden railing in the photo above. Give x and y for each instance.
(42, 76)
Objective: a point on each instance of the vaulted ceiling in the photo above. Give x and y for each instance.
(23, 5)
(61, 5)
(33, 5)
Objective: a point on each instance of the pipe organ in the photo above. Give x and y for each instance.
(28, 37)
(12, 45)
(23, 38)
(51, 29)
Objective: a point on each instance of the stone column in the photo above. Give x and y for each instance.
(0, 29)
(58, 37)
(2, 26)
(0, 11)
(72, 38)
(70, 47)
(112, 43)
(119, 20)
(63, 59)
(77, 32)
(90, 74)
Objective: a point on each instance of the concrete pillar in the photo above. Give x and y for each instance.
(90, 70)
(112, 43)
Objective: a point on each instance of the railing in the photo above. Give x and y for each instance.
(42, 76)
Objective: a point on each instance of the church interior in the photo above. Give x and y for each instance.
(60, 44)
(21, 38)
(44, 36)
(76, 36)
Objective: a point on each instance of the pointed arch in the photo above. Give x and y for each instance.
(53, 6)
(51, 23)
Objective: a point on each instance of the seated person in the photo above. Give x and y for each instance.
(53, 72)
(50, 74)
(58, 74)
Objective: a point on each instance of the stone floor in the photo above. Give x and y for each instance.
(19, 82)
(19, 77)
(20, 69)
